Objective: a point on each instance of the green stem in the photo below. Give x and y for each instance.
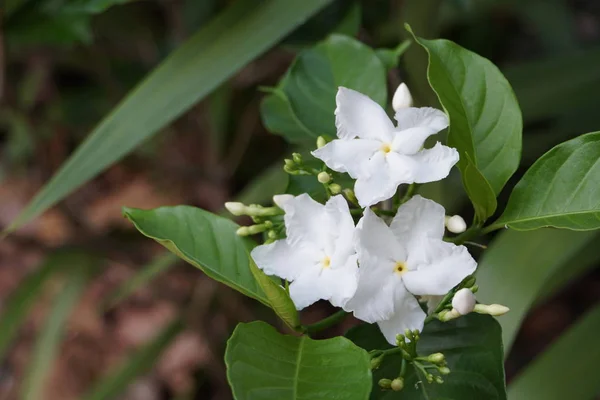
(467, 235)
(410, 191)
(326, 322)
(403, 368)
(491, 228)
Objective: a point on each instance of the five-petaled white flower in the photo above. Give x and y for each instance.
(384, 156)
(318, 255)
(404, 259)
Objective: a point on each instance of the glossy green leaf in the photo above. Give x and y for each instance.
(517, 265)
(238, 35)
(206, 241)
(560, 189)
(477, 187)
(47, 345)
(263, 364)
(141, 361)
(472, 346)
(301, 107)
(279, 299)
(568, 369)
(485, 119)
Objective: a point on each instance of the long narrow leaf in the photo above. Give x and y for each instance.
(568, 369)
(234, 38)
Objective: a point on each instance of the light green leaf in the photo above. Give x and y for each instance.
(263, 364)
(301, 107)
(47, 345)
(485, 119)
(473, 348)
(568, 369)
(560, 189)
(279, 299)
(206, 241)
(143, 359)
(515, 268)
(477, 187)
(237, 36)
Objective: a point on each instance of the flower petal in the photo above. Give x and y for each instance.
(421, 117)
(408, 315)
(347, 155)
(375, 237)
(343, 241)
(338, 285)
(304, 221)
(358, 115)
(306, 290)
(410, 141)
(445, 266)
(434, 164)
(378, 185)
(282, 260)
(418, 217)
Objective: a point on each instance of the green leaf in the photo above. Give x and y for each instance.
(301, 107)
(143, 359)
(206, 241)
(477, 187)
(560, 189)
(517, 266)
(263, 364)
(568, 369)
(472, 346)
(279, 299)
(46, 347)
(485, 119)
(237, 36)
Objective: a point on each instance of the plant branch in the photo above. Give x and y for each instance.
(326, 322)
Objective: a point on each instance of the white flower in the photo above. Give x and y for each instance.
(402, 98)
(318, 255)
(463, 301)
(384, 156)
(404, 259)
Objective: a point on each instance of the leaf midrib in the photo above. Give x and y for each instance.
(297, 372)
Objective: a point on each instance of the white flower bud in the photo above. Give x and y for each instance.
(321, 142)
(236, 208)
(463, 301)
(243, 231)
(323, 177)
(402, 98)
(492, 309)
(456, 224)
(281, 199)
(335, 188)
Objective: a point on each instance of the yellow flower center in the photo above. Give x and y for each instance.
(326, 262)
(386, 148)
(400, 267)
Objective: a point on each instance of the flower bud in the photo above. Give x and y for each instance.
(444, 370)
(429, 378)
(321, 142)
(456, 224)
(402, 98)
(436, 358)
(297, 157)
(323, 177)
(397, 384)
(289, 163)
(491, 309)
(236, 208)
(447, 315)
(280, 200)
(463, 301)
(349, 193)
(335, 188)
(243, 231)
(385, 383)
(376, 362)
(272, 235)
(439, 379)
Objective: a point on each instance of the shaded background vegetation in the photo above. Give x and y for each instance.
(145, 326)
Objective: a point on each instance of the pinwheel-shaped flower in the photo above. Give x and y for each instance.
(404, 259)
(380, 156)
(318, 255)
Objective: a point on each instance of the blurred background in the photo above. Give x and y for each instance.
(89, 307)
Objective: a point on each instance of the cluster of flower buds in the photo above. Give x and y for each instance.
(267, 219)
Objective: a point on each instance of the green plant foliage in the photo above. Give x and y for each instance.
(263, 364)
(485, 119)
(516, 267)
(559, 190)
(568, 369)
(238, 35)
(206, 241)
(473, 349)
(301, 107)
(116, 382)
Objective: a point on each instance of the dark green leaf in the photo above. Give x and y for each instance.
(263, 364)
(568, 369)
(204, 240)
(234, 38)
(301, 107)
(485, 119)
(473, 348)
(516, 267)
(560, 189)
